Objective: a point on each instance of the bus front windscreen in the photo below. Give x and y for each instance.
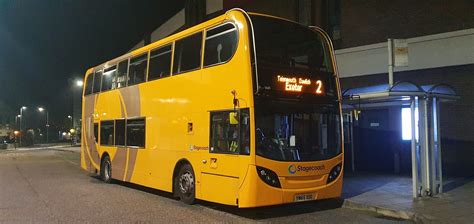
(297, 132)
(293, 60)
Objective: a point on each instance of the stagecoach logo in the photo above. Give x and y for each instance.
(292, 169)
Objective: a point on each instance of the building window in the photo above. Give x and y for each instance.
(121, 80)
(107, 133)
(96, 132)
(137, 69)
(89, 83)
(108, 77)
(160, 63)
(187, 54)
(406, 123)
(221, 43)
(120, 132)
(97, 81)
(136, 132)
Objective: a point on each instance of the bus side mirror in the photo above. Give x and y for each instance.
(233, 118)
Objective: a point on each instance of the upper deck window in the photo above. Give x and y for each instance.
(160, 63)
(121, 79)
(187, 54)
(88, 86)
(108, 77)
(290, 50)
(137, 69)
(290, 45)
(221, 43)
(97, 81)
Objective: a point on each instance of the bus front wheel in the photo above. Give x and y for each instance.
(106, 170)
(185, 184)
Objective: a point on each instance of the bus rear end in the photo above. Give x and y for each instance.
(298, 131)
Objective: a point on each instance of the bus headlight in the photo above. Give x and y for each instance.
(335, 171)
(268, 176)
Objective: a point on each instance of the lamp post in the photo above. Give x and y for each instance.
(21, 118)
(70, 118)
(78, 85)
(42, 109)
(17, 125)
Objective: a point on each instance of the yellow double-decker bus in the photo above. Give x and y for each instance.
(243, 109)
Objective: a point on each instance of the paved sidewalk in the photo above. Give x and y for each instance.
(393, 197)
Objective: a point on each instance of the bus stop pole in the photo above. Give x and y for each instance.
(438, 135)
(414, 164)
(351, 134)
(390, 62)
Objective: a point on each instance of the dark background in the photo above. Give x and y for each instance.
(46, 45)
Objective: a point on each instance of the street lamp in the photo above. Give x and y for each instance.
(79, 83)
(21, 118)
(42, 109)
(70, 118)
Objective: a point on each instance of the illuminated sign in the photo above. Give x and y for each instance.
(299, 84)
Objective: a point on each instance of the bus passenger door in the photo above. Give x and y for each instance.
(221, 164)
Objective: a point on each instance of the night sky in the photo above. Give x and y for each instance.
(46, 44)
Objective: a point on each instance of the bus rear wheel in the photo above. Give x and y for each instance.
(106, 170)
(185, 184)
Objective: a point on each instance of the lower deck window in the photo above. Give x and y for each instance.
(230, 132)
(107, 133)
(136, 132)
(120, 132)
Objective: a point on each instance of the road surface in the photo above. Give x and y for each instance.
(47, 185)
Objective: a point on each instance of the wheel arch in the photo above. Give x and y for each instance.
(177, 166)
(102, 157)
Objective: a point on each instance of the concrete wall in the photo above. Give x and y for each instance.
(438, 50)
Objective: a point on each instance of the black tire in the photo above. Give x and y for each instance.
(106, 170)
(184, 184)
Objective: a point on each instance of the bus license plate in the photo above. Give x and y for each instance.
(303, 197)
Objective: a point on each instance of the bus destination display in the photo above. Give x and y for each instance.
(299, 84)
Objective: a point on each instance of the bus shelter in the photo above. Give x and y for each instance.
(424, 103)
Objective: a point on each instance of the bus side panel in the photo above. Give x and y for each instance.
(170, 105)
(88, 142)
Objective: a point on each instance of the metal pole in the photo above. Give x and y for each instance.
(21, 118)
(351, 120)
(425, 146)
(47, 127)
(440, 161)
(414, 164)
(72, 99)
(390, 62)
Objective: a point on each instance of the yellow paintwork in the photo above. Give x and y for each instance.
(171, 103)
